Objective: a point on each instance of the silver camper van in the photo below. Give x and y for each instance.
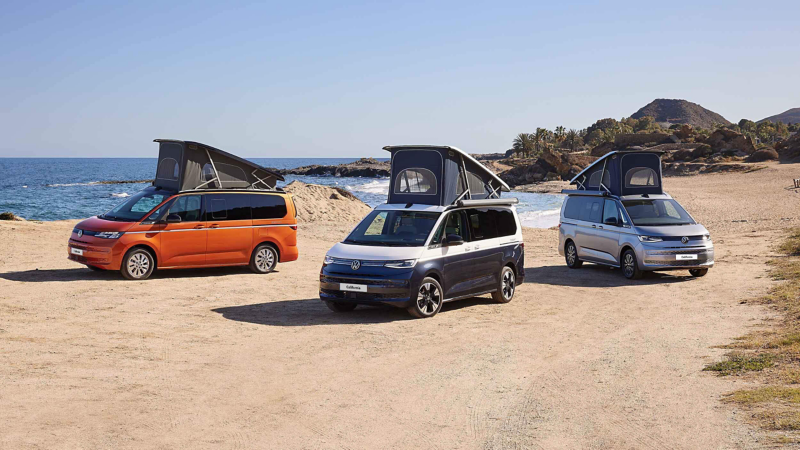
(620, 216)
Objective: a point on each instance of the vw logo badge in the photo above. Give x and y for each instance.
(355, 265)
(80, 233)
(684, 239)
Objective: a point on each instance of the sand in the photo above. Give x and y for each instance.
(223, 358)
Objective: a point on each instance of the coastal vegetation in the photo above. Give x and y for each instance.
(771, 356)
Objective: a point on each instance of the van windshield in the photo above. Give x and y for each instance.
(394, 229)
(137, 206)
(657, 212)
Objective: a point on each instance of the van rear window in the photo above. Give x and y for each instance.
(268, 206)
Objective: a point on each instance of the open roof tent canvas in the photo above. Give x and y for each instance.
(439, 175)
(624, 173)
(187, 165)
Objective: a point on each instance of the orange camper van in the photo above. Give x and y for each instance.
(206, 208)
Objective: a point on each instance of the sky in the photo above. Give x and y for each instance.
(343, 79)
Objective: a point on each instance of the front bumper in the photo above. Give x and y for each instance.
(668, 258)
(395, 292)
(95, 254)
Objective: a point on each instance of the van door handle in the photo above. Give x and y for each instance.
(600, 226)
(214, 226)
(594, 226)
(198, 227)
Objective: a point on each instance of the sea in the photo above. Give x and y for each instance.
(72, 188)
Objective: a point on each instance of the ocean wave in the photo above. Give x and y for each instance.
(121, 194)
(373, 187)
(72, 184)
(540, 219)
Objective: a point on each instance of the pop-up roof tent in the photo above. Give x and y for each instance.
(440, 175)
(186, 166)
(624, 173)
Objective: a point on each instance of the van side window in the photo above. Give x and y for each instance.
(482, 224)
(610, 211)
(188, 207)
(506, 225)
(453, 224)
(267, 206)
(589, 209)
(227, 207)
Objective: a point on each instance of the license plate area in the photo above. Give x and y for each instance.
(686, 257)
(76, 251)
(349, 287)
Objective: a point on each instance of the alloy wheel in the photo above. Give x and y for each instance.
(428, 299)
(509, 283)
(265, 259)
(629, 265)
(138, 265)
(571, 254)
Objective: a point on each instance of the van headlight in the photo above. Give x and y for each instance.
(109, 234)
(707, 237)
(649, 239)
(328, 259)
(402, 264)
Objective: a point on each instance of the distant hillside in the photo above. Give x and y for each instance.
(788, 117)
(680, 111)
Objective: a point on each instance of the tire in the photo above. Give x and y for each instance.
(697, 273)
(506, 286)
(138, 264)
(630, 266)
(340, 307)
(429, 299)
(264, 259)
(95, 268)
(571, 256)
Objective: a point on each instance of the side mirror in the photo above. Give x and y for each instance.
(454, 239)
(611, 221)
(173, 218)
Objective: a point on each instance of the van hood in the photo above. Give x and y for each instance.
(374, 252)
(672, 230)
(97, 224)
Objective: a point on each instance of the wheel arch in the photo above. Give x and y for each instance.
(626, 247)
(271, 242)
(146, 247)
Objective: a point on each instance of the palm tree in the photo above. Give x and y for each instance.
(560, 133)
(572, 138)
(540, 138)
(522, 144)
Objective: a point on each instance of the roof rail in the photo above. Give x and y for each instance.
(486, 202)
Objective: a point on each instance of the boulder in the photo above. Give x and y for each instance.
(703, 150)
(725, 139)
(789, 149)
(602, 149)
(682, 155)
(684, 132)
(631, 139)
(765, 154)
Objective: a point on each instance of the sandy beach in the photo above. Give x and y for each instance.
(224, 358)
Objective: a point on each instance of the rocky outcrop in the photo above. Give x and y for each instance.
(364, 167)
(550, 166)
(634, 139)
(10, 216)
(789, 150)
(725, 140)
(680, 112)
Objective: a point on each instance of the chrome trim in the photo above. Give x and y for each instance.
(208, 229)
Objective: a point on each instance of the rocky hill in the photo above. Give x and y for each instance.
(680, 111)
(788, 117)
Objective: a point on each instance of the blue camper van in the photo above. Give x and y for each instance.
(444, 234)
